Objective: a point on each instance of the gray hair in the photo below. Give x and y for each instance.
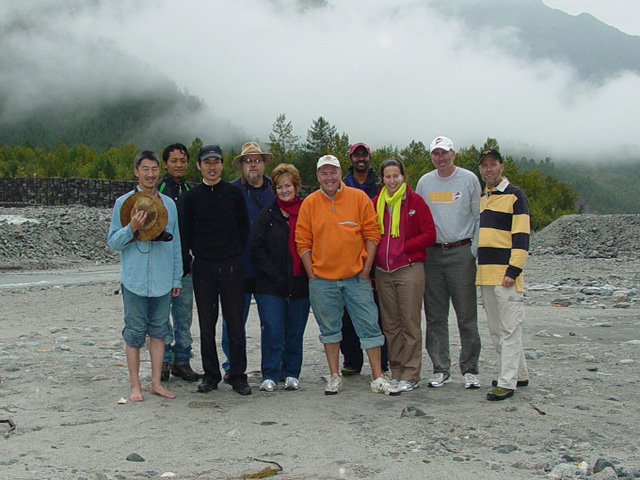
(145, 155)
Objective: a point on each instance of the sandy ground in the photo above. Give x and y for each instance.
(62, 368)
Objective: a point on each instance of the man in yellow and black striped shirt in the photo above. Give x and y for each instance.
(503, 247)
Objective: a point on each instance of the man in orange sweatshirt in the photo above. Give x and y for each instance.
(337, 234)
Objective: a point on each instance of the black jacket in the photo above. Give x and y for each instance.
(271, 257)
(216, 222)
(168, 186)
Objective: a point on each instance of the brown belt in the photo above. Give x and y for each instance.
(446, 246)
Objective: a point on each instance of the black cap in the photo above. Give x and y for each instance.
(490, 153)
(209, 151)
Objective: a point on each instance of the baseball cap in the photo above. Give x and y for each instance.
(490, 153)
(328, 160)
(359, 144)
(209, 151)
(444, 143)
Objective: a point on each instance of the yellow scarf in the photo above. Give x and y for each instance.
(394, 202)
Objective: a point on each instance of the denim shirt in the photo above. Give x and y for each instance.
(149, 269)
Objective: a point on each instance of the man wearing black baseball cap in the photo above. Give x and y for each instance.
(216, 227)
(503, 247)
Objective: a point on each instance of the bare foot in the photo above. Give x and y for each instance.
(163, 392)
(136, 395)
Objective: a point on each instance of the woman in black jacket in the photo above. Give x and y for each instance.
(282, 287)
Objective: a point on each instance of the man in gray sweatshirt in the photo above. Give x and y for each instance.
(453, 195)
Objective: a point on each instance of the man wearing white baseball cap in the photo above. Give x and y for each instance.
(453, 196)
(337, 234)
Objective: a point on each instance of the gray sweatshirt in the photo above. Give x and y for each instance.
(454, 204)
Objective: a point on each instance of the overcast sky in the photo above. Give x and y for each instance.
(383, 71)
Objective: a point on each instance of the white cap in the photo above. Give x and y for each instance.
(444, 143)
(328, 160)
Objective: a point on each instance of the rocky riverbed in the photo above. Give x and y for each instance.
(62, 372)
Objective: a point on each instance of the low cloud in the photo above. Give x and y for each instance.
(383, 71)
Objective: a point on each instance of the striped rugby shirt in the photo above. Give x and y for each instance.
(503, 244)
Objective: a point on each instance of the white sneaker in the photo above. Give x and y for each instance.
(334, 384)
(471, 381)
(268, 386)
(383, 385)
(291, 383)
(407, 386)
(439, 379)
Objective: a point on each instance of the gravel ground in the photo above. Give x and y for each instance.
(62, 371)
(40, 238)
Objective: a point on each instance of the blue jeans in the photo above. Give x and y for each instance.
(282, 324)
(144, 316)
(225, 339)
(179, 352)
(329, 298)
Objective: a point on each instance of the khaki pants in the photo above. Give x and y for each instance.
(505, 316)
(400, 295)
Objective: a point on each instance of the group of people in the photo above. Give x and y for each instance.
(365, 252)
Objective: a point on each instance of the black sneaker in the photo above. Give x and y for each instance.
(499, 393)
(242, 387)
(348, 371)
(166, 371)
(207, 385)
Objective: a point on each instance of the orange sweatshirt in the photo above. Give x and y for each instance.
(336, 231)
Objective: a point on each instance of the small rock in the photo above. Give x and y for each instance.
(622, 305)
(98, 476)
(564, 470)
(505, 448)
(608, 473)
(64, 347)
(625, 361)
(633, 342)
(601, 464)
(543, 333)
(412, 412)
(589, 358)
(134, 457)
(582, 407)
(530, 355)
(602, 324)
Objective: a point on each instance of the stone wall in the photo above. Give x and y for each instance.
(69, 191)
(62, 191)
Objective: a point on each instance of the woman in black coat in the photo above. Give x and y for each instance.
(282, 287)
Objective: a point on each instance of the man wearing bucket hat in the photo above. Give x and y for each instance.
(503, 247)
(337, 234)
(144, 229)
(452, 194)
(256, 188)
(216, 227)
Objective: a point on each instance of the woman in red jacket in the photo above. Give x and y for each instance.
(407, 230)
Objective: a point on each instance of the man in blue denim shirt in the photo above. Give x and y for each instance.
(151, 273)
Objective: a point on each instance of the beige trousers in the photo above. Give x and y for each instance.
(400, 296)
(505, 315)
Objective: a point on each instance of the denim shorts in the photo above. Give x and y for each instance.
(329, 298)
(144, 316)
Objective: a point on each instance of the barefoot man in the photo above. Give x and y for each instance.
(144, 229)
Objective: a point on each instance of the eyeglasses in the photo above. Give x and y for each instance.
(249, 161)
